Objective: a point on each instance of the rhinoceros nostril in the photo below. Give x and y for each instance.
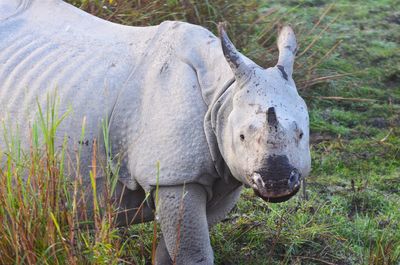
(293, 178)
(257, 180)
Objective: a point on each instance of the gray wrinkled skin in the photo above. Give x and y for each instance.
(173, 94)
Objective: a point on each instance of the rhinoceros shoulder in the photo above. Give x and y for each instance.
(190, 41)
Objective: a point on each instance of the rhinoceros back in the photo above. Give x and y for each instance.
(49, 48)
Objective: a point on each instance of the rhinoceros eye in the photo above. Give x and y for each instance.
(242, 137)
(299, 131)
(301, 134)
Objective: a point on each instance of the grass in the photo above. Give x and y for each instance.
(38, 204)
(347, 70)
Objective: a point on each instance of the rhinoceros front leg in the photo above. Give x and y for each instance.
(182, 214)
(162, 255)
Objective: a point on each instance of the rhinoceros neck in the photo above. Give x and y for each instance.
(216, 85)
(214, 122)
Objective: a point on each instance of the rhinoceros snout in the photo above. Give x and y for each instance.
(276, 181)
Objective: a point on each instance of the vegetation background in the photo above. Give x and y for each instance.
(347, 69)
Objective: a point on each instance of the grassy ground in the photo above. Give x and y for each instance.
(348, 70)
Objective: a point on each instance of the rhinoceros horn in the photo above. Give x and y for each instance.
(233, 57)
(287, 47)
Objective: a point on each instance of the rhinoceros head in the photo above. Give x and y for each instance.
(266, 134)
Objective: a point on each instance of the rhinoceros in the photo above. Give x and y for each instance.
(173, 94)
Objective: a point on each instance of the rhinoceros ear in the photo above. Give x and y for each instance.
(287, 47)
(232, 56)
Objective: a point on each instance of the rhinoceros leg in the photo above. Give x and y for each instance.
(183, 218)
(162, 255)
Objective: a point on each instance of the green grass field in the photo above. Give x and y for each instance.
(348, 71)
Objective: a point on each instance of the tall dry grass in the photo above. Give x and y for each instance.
(47, 216)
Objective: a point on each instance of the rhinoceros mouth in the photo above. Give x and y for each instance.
(275, 190)
(276, 198)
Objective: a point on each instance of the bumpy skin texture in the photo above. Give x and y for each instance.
(170, 96)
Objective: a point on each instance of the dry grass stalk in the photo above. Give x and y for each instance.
(308, 83)
(317, 37)
(347, 99)
(326, 55)
(321, 18)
